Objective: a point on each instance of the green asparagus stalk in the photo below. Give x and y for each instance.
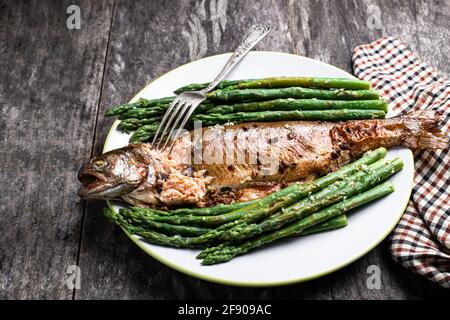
(129, 125)
(292, 92)
(164, 240)
(145, 107)
(146, 128)
(207, 211)
(135, 218)
(154, 112)
(280, 82)
(284, 82)
(144, 133)
(133, 124)
(376, 173)
(210, 211)
(228, 252)
(199, 86)
(332, 224)
(141, 103)
(274, 201)
(294, 115)
(149, 235)
(299, 104)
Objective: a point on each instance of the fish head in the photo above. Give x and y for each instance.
(112, 175)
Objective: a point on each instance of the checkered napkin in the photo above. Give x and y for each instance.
(421, 240)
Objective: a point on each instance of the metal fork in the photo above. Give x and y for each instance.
(185, 103)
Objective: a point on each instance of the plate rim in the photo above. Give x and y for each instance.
(194, 274)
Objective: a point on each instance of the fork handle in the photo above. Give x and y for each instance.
(256, 33)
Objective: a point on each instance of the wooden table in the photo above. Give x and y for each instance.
(56, 83)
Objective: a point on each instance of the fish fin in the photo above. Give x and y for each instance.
(426, 123)
(433, 140)
(427, 119)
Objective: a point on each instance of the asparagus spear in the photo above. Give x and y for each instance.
(199, 86)
(158, 106)
(144, 133)
(283, 82)
(226, 253)
(146, 128)
(292, 92)
(135, 118)
(139, 108)
(377, 172)
(133, 124)
(274, 201)
(129, 125)
(164, 240)
(299, 104)
(209, 211)
(135, 218)
(145, 113)
(331, 224)
(141, 103)
(149, 235)
(279, 82)
(320, 115)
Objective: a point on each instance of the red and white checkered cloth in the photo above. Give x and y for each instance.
(421, 241)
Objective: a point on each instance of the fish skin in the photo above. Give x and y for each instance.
(251, 160)
(308, 149)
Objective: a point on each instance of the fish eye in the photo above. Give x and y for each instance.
(100, 164)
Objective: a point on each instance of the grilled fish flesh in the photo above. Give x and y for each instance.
(230, 163)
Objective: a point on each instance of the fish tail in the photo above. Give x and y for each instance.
(416, 130)
(422, 130)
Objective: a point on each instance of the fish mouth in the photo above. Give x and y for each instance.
(95, 186)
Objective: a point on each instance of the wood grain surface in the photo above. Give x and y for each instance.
(49, 93)
(56, 83)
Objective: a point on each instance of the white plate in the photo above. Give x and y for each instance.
(294, 260)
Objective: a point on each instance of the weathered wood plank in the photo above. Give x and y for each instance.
(49, 91)
(328, 31)
(433, 32)
(112, 266)
(396, 282)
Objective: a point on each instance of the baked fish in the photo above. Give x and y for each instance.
(224, 164)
